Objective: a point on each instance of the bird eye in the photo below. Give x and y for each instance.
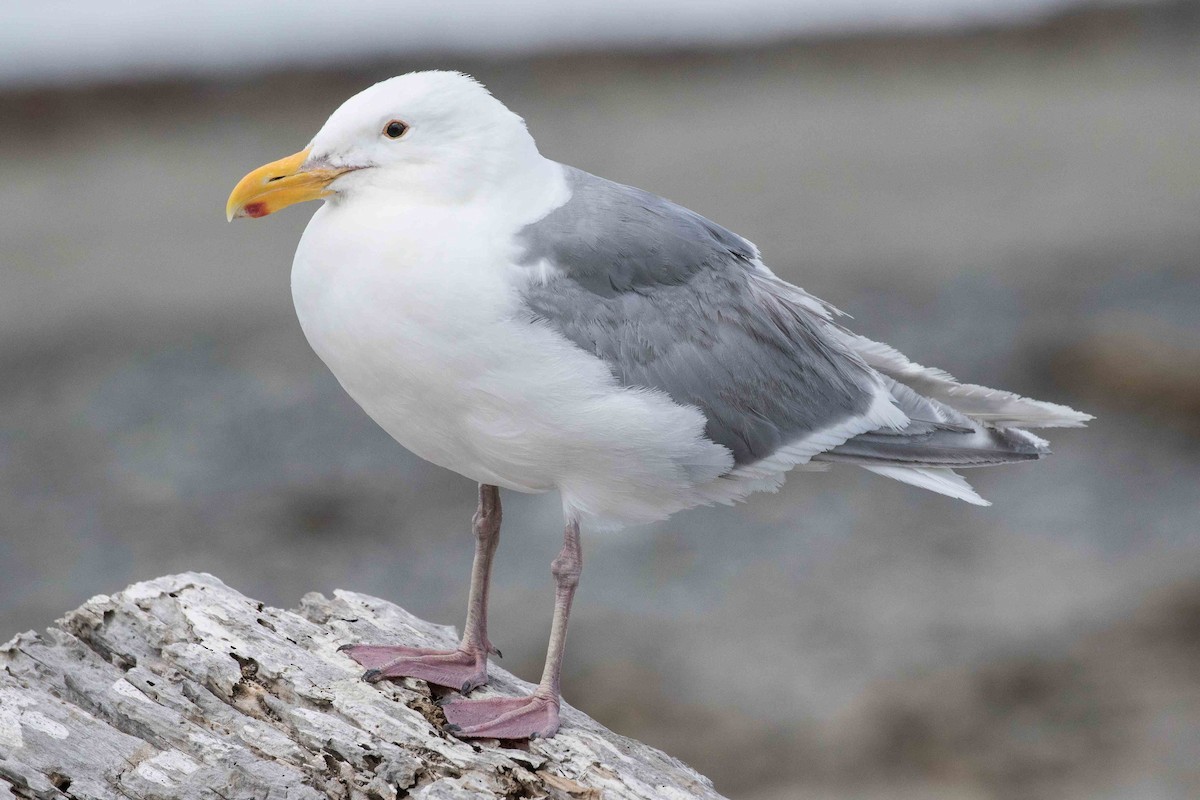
(395, 129)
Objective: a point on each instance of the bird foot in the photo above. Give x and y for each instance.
(462, 669)
(532, 717)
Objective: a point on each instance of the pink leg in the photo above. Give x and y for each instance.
(536, 715)
(465, 667)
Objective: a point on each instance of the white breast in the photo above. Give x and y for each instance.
(418, 316)
(400, 318)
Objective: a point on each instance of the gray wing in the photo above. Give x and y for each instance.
(672, 301)
(937, 435)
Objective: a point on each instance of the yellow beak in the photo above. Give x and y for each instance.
(278, 185)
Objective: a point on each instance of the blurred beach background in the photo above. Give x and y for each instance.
(1008, 190)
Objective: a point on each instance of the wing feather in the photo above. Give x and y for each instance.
(672, 302)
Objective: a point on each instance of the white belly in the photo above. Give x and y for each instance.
(427, 336)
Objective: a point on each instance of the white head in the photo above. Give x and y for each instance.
(436, 136)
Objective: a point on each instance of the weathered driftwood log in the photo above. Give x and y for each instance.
(181, 687)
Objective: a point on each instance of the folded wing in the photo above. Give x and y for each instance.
(672, 302)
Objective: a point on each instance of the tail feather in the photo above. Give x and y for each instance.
(942, 481)
(952, 425)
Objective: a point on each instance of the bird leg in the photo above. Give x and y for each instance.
(465, 667)
(537, 714)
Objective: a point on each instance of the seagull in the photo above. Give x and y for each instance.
(536, 328)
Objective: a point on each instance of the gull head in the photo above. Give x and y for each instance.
(424, 136)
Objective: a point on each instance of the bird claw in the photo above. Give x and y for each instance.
(532, 717)
(460, 670)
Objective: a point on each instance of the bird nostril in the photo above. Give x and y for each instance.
(276, 178)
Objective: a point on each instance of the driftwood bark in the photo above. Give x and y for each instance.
(181, 687)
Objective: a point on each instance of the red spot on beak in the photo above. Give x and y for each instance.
(255, 210)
